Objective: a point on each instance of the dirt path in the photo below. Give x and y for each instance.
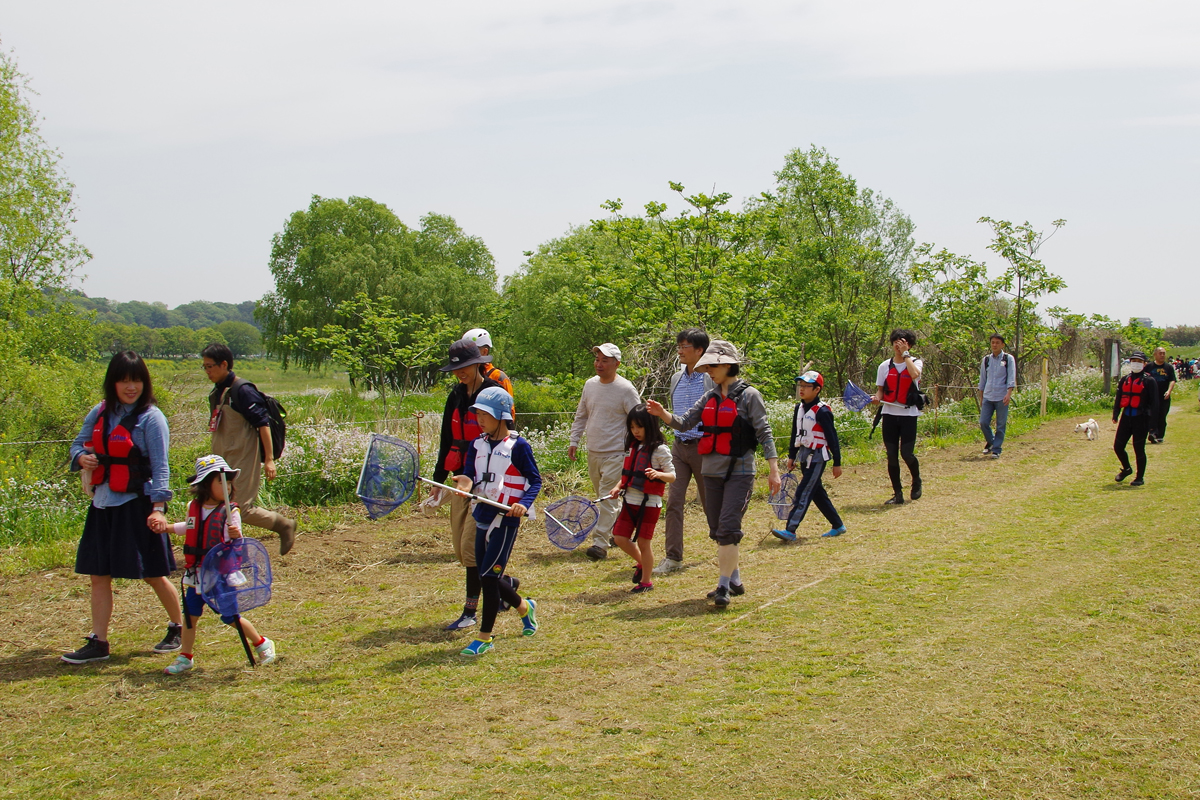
(1016, 632)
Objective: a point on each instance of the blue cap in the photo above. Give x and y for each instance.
(496, 402)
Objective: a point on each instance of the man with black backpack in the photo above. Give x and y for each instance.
(997, 382)
(240, 422)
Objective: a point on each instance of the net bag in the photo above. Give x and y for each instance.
(855, 398)
(570, 520)
(389, 475)
(781, 501)
(235, 577)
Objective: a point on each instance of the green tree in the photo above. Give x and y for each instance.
(380, 347)
(37, 246)
(842, 256)
(336, 250)
(243, 338)
(1025, 279)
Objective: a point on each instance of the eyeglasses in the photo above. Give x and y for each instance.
(207, 367)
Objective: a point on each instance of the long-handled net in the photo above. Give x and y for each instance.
(781, 501)
(570, 520)
(389, 475)
(235, 577)
(855, 398)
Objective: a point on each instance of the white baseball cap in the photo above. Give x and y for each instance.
(608, 349)
(479, 336)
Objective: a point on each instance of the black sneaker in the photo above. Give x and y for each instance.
(637, 574)
(1123, 474)
(737, 588)
(1137, 482)
(721, 596)
(94, 650)
(596, 553)
(916, 491)
(171, 642)
(895, 500)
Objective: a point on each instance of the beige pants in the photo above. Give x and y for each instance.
(262, 518)
(605, 471)
(462, 530)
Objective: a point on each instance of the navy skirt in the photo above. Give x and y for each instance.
(117, 542)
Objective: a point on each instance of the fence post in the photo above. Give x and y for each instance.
(936, 403)
(1045, 383)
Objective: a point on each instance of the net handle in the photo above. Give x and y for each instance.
(461, 493)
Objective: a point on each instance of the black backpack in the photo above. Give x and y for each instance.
(278, 415)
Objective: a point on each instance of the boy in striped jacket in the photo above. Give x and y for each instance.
(813, 444)
(500, 467)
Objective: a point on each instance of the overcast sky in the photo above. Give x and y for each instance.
(193, 132)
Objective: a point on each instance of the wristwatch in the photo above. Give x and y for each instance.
(162, 509)
(906, 354)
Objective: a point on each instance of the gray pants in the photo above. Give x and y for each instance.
(727, 501)
(605, 471)
(686, 457)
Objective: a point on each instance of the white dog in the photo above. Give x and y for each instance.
(1091, 428)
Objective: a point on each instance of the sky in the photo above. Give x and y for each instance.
(193, 132)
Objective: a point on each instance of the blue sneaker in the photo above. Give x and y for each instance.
(786, 535)
(529, 621)
(835, 531)
(477, 647)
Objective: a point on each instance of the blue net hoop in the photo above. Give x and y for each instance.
(235, 577)
(781, 501)
(855, 398)
(577, 515)
(389, 475)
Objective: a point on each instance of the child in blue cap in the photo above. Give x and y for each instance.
(499, 466)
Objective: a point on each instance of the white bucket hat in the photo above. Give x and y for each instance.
(207, 465)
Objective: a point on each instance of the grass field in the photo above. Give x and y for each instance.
(1028, 629)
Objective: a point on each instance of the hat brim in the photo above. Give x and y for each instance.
(495, 413)
(480, 359)
(715, 360)
(194, 479)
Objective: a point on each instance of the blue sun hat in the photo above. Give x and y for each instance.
(496, 402)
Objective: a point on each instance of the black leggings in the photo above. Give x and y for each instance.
(496, 588)
(1134, 428)
(899, 439)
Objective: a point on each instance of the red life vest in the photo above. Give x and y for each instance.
(122, 463)
(1131, 389)
(464, 429)
(204, 534)
(633, 474)
(896, 385)
(724, 432)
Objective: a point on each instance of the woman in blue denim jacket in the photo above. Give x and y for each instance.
(125, 533)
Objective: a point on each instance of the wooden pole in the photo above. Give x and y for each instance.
(1045, 383)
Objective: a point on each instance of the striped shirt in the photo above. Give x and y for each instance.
(691, 388)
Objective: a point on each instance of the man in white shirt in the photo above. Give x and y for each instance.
(603, 406)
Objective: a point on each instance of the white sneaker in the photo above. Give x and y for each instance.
(265, 652)
(667, 565)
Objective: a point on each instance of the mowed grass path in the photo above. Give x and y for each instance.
(1028, 629)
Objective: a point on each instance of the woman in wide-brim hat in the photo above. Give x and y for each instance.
(727, 445)
(459, 429)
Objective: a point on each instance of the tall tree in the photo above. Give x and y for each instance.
(37, 246)
(336, 250)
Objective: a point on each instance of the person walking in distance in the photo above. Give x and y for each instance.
(1164, 375)
(1135, 406)
(241, 434)
(895, 380)
(603, 405)
(997, 382)
(687, 386)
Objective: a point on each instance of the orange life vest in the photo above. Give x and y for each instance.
(1131, 389)
(122, 463)
(723, 431)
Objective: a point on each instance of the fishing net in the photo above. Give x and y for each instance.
(235, 577)
(389, 475)
(854, 397)
(781, 501)
(570, 520)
